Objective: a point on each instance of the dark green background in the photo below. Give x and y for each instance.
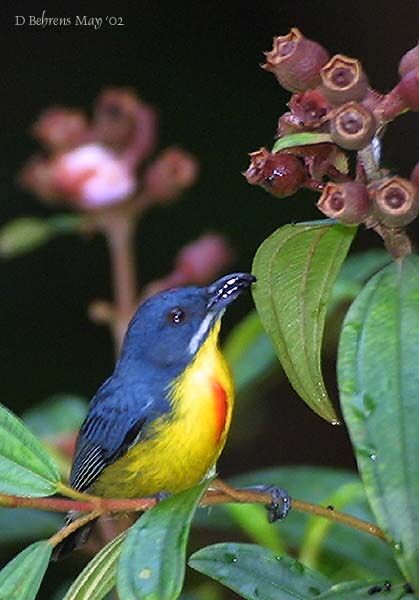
(198, 63)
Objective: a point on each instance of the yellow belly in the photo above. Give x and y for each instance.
(184, 446)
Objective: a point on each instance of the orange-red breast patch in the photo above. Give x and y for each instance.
(221, 406)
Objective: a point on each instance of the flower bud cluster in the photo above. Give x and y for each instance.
(333, 102)
(94, 165)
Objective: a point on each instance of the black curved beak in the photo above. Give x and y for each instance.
(226, 289)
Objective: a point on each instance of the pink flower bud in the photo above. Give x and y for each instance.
(395, 201)
(91, 177)
(288, 123)
(173, 171)
(61, 129)
(343, 79)
(201, 260)
(125, 124)
(347, 202)
(279, 174)
(408, 89)
(409, 61)
(414, 176)
(296, 61)
(36, 176)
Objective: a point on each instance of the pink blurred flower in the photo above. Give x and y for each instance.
(92, 176)
(61, 129)
(173, 171)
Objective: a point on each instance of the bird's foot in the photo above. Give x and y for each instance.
(280, 504)
(161, 496)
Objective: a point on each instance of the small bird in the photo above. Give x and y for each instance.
(159, 423)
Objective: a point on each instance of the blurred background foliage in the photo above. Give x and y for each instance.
(198, 64)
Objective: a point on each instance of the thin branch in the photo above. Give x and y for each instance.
(73, 526)
(119, 230)
(99, 506)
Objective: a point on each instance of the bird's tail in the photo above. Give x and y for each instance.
(74, 541)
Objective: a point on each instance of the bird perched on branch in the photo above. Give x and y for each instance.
(159, 423)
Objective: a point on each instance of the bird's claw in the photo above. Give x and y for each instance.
(161, 496)
(280, 504)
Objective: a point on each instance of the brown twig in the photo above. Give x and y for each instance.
(119, 230)
(221, 495)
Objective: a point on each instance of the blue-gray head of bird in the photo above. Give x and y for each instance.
(170, 327)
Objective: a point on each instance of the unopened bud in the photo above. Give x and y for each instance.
(201, 260)
(395, 201)
(279, 174)
(61, 129)
(288, 123)
(171, 173)
(347, 202)
(408, 89)
(343, 79)
(296, 61)
(353, 126)
(414, 176)
(409, 61)
(310, 108)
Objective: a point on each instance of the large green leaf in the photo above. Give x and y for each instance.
(342, 547)
(26, 468)
(379, 385)
(255, 572)
(248, 348)
(23, 524)
(21, 578)
(99, 575)
(365, 590)
(296, 268)
(152, 562)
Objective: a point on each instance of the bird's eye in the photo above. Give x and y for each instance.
(176, 315)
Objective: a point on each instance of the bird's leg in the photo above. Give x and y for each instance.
(161, 496)
(279, 506)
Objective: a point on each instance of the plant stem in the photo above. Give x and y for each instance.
(99, 506)
(119, 230)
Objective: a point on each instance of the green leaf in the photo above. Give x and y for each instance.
(99, 575)
(27, 233)
(26, 468)
(152, 562)
(379, 385)
(364, 590)
(296, 268)
(23, 235)
(249, 352)
(342, 547)
(300, 139)
(56, 415)
(21, 578)
(255, 572)
(23, 524)
(251, 518)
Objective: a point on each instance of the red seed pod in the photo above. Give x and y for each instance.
(409, 61)
(296, 61)
(408, 89)
(395, 201)
(288, 123)
(343, 79)
(347, 202)
(279, 174)
(414, 176)
(311, 108)
(353, 126)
